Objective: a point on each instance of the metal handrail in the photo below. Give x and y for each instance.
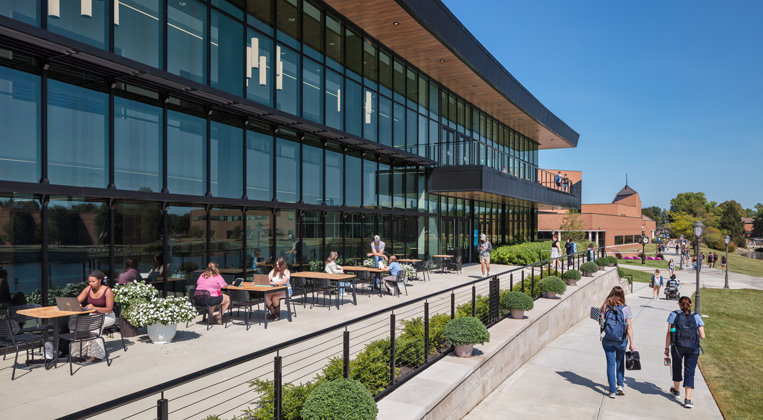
(165, 386)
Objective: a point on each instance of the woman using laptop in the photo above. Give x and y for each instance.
(99, 297)
(279, 276)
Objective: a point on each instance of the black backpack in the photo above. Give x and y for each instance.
(686, 336)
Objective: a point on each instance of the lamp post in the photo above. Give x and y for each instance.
(681, 248)
(727, 239)
(644, 241)
(699, 228)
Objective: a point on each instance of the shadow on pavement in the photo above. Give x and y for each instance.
(576, 379)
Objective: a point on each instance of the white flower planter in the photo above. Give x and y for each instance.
(162, 334)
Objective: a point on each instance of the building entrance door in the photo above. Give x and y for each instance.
(456, 233)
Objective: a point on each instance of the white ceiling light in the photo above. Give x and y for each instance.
(116, 12)
(54, 9)
(369, 103)
(86, 8)
(279, 69)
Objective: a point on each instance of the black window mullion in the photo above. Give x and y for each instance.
(45, 259)
(165, 250)
(44, 124)
(209, 152)
(208, 47)
(245, 195)
(301, 172)
(165, 190)
(274, 161)
(111, 132)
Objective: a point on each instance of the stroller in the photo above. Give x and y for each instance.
(671, 289)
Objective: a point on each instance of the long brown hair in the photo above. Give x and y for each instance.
(685, 304)
(277, 270)
(332, 257)
(130, 263)
(616, 297)
(213, 269)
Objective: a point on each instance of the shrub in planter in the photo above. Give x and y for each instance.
(517, 303)
(481, 308)
(589, 267)
(340, 399)
(572, 277)
(620, 272)
(552, 286)
(464, 332)
(602, 262)
(414, 328)
(166, 311)
(612, 261)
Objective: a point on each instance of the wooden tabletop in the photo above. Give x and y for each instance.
(48, 312)
(322, 275)
(442, 256)
(256, 287)
(359, 268)
(226, 270)
(408, 260)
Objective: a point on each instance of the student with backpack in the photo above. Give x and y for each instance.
(685, 329)
(617, 317)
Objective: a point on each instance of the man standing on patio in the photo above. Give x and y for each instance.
(377, 251)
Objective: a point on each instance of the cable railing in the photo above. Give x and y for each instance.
(383, 350)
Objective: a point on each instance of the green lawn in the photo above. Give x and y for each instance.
(649, 263)
(638, 276)
(737, 263)
(734, 347)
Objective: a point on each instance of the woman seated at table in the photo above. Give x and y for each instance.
(211, 281)
(279, 276)
(390, 282)
(333, 268)
(129, 272)
(99, 297)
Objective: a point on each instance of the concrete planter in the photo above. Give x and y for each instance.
(127, 329)
(550, 295)
(464, 351)
(601, 268)
(611, 265)
(571, 282)
(587, 274)
(517, 314)
(162, 334)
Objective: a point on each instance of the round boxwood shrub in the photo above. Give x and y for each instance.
(553, 284)
(620, 272)
(571, 275)
(612, 260)
(341, 399)
(589, 267)
(602, 262)
(465, 330)
(517, 301)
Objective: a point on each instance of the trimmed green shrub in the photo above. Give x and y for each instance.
(602, 262)
(620, 272)
(465, 330)
(481, 308)
(589, 267)
(517, 301)
(553, 284)
(409, 351)
(612, 260)
(521, 254)
(340, 399)
(571, 275)
(293, 397)
(528, 285)
(414, 328)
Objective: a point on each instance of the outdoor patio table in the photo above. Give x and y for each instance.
(52, 312)
(406, 260)
(442, 259)
(329, 276)
(265, 290)
(369, 269)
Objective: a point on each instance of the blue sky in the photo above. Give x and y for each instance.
(670, 92)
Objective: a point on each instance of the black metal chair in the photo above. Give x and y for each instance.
(240, 299)
(400, 278)
(421, 269)
(85, 328)
(455, 265)
(10, 337)
(299, 286)
(324, 286)
(13, 315)
(365, 277)
(111, 328)
(431, 265)
(200, 301)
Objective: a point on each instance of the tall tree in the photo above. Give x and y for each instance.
(572, 227)
(731, 219)
(682, 225)
(691, 203)
(654, 212)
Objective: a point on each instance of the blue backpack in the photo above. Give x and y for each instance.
(685, 336)
(615, 328)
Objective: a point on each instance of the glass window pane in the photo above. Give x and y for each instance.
(138, 235)
(138, 35)
(21, 259)
(423, 136)
(385, 177)
(78, 149)
(460, 115)
(186, 242)
(227, 159)
(312, 85)
(226, 234)
(369, 183)
(412, 86)
(353, 237)
(411, 131)
(227, 53)
(21, 122)
(398, 188)
(399, 125)
(334, 234)
(434, 131)
(423, 95)
(260, 15)
(421, 179)
(354, 100)
(334, 42)
(186, 148)
(259, 71)
(370, 107)
(186, 40)
(334, 177)
(27, 11)
(312, 237)
(370, 70)
(452, 111)
(385, 121)
(352, 179)
(288, 165)
(312, 172)
(287, 81)
(85, 21)
(138, 145)
(433, 102)
(234, 8)
(259, 158)
(312, 34)
(334, 106)
(354, 54)
(399, 76)
(288, 22)
(288, 244)
(411, 198)
(385, 74)
(259, 240)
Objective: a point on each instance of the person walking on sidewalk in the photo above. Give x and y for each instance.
(485, 248)
(618, 325)
(656, 284)
(556, 250)
(671, 267)
(685, 329)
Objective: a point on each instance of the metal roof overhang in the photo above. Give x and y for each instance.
(431, 38)
(36, 41)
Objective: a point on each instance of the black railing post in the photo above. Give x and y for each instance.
(277, 378)
(532, 286)
(495, 300)
(474, 300)
(162, 408)
(523, 281)
(511, 281)
(426, 332)
(346, 354)
(392, 349)
(452, 305)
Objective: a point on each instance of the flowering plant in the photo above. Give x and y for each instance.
(410, 272)
(124, 293)
(166, 311)
(369, 262)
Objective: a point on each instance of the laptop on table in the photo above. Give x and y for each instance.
(69, 304)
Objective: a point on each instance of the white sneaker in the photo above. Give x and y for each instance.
(620, 390)
(488, 274)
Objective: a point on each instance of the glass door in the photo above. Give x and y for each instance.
(449, 236)
(465, 239)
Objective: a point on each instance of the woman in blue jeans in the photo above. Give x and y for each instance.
(615, 349)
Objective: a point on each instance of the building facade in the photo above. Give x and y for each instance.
(195, 131)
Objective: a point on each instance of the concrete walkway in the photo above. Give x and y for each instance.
(567, 379)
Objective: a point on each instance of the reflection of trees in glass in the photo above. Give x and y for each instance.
(180, 223)
(195, 232)
(138, 223)
(21, 229)
(65, 226)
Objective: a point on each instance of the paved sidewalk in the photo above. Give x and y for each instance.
(568, 378)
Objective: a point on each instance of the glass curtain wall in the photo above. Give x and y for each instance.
(186, 244)
(312, 239)
(138, 237)
(186, 148)
(259, 158)
(138, 139)
(21, 256)
(20, 100)
(226, 157)
(354, 246)
(259, 241)
(287, 242)
(226, 239)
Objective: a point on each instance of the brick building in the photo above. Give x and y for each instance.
(616, 223)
